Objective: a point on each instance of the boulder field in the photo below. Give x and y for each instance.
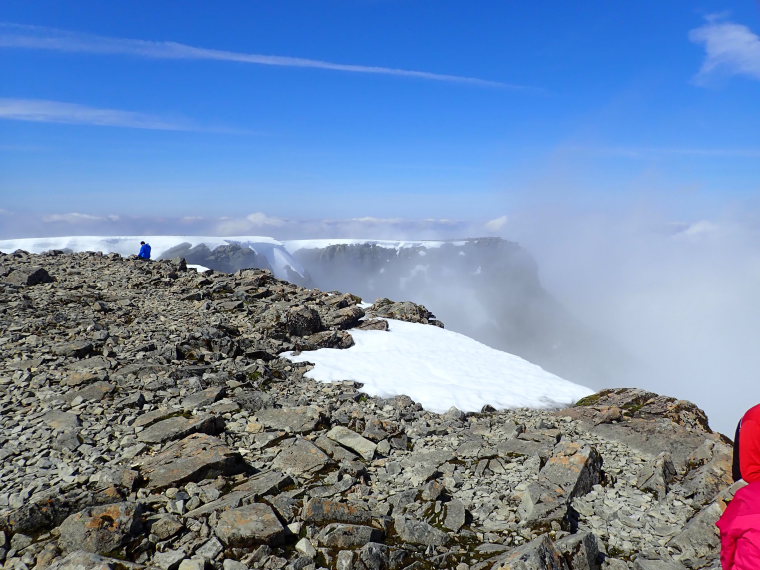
(148, 421)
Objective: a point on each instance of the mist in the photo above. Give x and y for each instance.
(642, 299)
(682, 299)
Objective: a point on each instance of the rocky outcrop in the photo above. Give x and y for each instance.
(148, 421)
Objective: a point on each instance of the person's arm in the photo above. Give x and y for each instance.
(736, 467)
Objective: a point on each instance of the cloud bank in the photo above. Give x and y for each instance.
(730, 49)
(50, 224)
(41, 38)
(683, 299)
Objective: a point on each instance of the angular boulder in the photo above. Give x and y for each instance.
(300, 457)
(29, 276)
(352, 440)
(196, 457)
(249, 525)
(101, 529)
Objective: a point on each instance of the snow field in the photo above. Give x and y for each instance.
(440, 369)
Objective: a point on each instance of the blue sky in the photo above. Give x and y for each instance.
(421, 116)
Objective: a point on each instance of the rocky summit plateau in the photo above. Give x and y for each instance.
(147, 420)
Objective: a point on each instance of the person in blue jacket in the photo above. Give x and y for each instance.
(144, 250)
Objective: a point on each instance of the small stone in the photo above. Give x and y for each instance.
(305, 547)
(211, 549)
(192, 564)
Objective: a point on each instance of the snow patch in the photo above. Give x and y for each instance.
(440, 369)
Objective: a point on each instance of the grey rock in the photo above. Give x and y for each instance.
(340, 535)
(61, 420)
(573, 468)
(82, 560)
(403, 311)
(251, 524)
(302, 321)
(352, 440)
(204, 398)
(419, 532)
(265, 483)
(94, 392)
(302, 419)
(324, 510)
(643, 564)
(700, 538)
(166, 526)
(76, 349)
(539, 554)
(656, 476)
(374, 556)
(179, 426)
(301, 458)
(456, 515)
(169, 559)
(581, 551)
(210, 549)
(194, 564)
(306, 548)
(196, 457)
(29, 276)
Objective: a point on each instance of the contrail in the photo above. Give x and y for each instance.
(42, 38)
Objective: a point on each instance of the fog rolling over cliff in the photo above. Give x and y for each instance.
(486, 288)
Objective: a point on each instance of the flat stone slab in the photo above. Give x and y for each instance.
(324, 510)
(352, 440)
(77, 348)
(61, 420)
(93, 362)
(419, 532)
(196, 457)
(248, 525)
(539, 554)
(204, 398)
(265, 483)
(339, 535)
(101, 529)
(179, 426)
(301, 458)
(94, 392)
(301, 419)
(81, 560)
(149, 418)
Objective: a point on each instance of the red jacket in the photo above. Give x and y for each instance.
(740, 530)
(740, 524)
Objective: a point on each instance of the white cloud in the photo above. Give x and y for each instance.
(35, 37)
(730, 49)
(78, 218)
(378, 221)
(496, 224)
(261, 219)
(252, 222)
(43, 111)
